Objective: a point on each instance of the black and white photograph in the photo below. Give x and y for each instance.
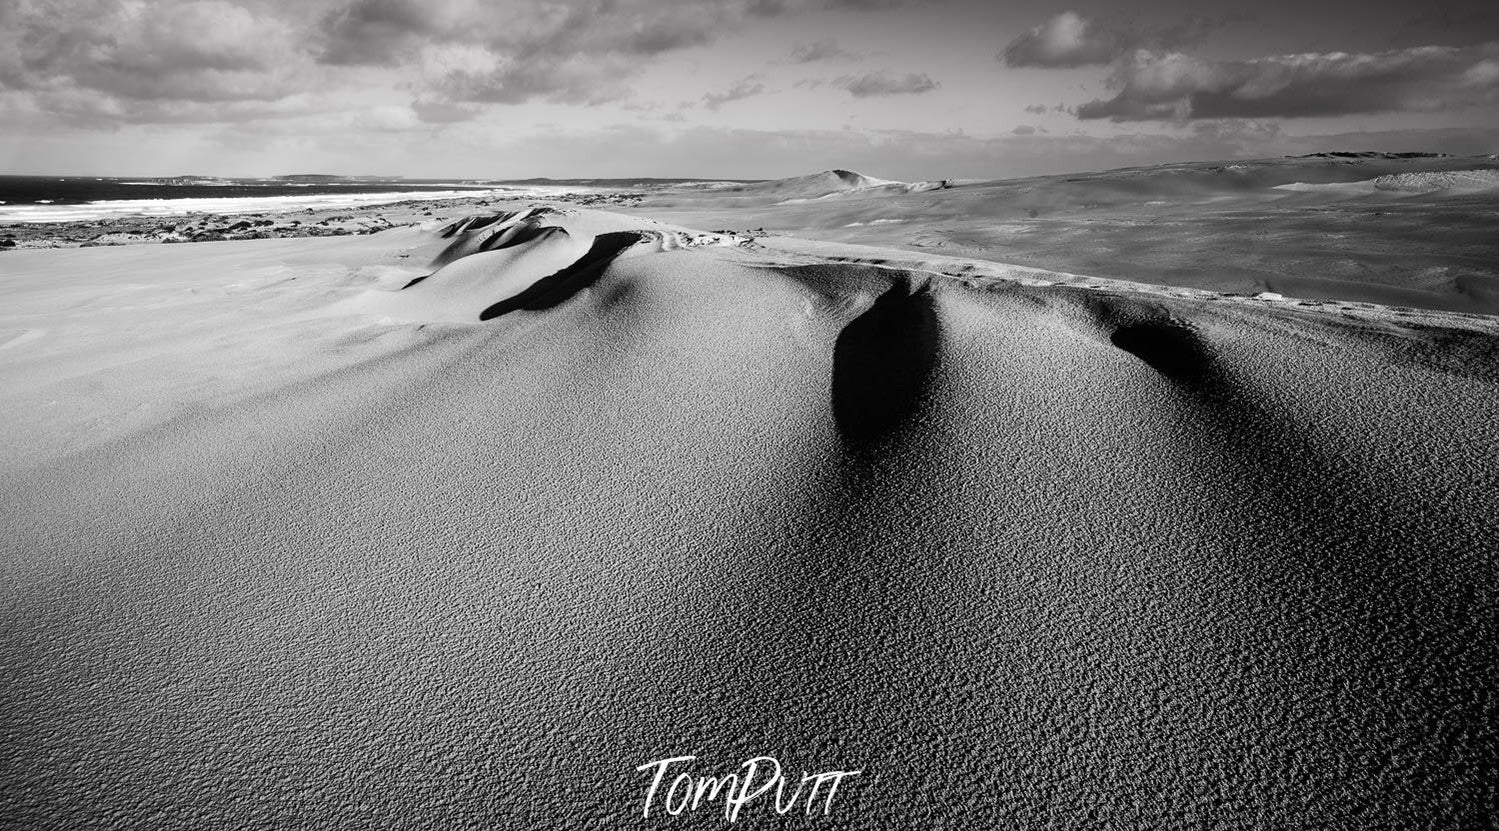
(945, 415)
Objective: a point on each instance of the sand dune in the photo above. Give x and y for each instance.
(1410, 182)
(1398, 231)
(817, 184)
(829, 184)
(1452, 180)
(295, 540)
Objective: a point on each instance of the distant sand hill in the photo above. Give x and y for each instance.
(1399, 229)
(829, 183)
(818, 184)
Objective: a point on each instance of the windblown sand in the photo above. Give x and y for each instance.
(293, 539)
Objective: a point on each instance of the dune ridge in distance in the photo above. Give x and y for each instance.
(1409, 230)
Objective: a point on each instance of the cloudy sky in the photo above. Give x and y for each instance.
(730, 88)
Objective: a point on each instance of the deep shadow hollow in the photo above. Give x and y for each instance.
(1171, 349)
(520, 235)
(556, 288)
(474, 223)
(882, 365)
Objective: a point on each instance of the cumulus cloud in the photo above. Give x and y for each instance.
(204, 52)
(578, 52)
(589, 80)
(129, 60)
(1071, 40)
(745, 88)
(1066, 40)
(1177, 86)
(370, 32)
(383, 32)
(879, 84)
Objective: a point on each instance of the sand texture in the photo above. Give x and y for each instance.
(455, 524)
(1401, 232)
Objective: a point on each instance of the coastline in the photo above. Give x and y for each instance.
(270, 222)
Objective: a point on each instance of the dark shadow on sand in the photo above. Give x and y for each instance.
(554, 289)
(520, 235)
(1172, 349)
(882, 364)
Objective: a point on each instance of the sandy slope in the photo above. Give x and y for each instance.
(1407, 232)
(290, 545)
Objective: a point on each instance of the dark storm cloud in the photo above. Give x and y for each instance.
(1176, 86)
(879, 84)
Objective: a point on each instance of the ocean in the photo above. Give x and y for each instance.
(76, 198)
